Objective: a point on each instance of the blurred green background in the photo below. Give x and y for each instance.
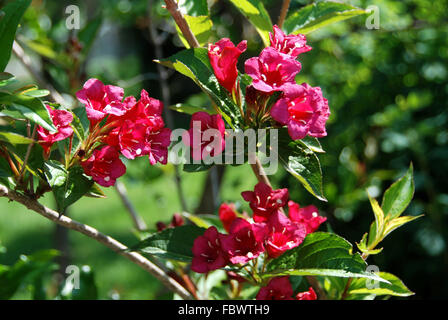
(387, 91)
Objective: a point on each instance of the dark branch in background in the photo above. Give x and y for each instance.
(28, 64)
(166, 93)
(139, 223)
(92, 233)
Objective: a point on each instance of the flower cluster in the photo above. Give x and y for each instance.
(269, 232)
(280, 288)
(301, 108)
(118, 126)
(121, 126)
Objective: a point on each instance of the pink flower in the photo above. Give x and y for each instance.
(101, 100)
(227, 214)
(207, 252)
(292, 45)
(245, 241)
(308, 216)
(223, 57)
(278, 288)
(307, 295)
(206, 135)
(104, 166)
(272, 71)
(141, 131)
(61, 120)
(264, 201)
(304, 110)
(282, 235)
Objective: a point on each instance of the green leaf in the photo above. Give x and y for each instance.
(256, 13)
(8, 27)
(171, 243)
(88, 34)
(204, 220)
(201, 27)
(68, 186)
(397, 198)
(318, 15)
(191, 167)
(302, 163)
(37, 93)
(379, 218)
(25, 271)
(6, 78)
(29, 107)
(195, 64)
(14, 138)
(321, 254)
(193, 8)
(188, 109)
(398, 222)
(395, 288)
(313, 144)
(96, 192)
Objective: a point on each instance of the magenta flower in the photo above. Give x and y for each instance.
(264, 201)
(104, 166)
(223, 57)
(282, 234)
(101, 100)
(227, 214)
(272, 71)
(304, 110)
(292, 45)
(61, 120)
(308, 216)
(206, 136)
(244, 242)
(159, 142)
(207, 252)
(307, 295)
(141, 130)
(278, 288)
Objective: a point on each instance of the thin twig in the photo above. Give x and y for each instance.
(26, 61)
(28, 153)
(92, 233)
(283, 13)
(172, 7)
(139, 223)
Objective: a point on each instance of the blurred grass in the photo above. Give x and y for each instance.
(25, 232)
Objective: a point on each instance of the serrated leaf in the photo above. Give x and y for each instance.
(13, 13)
(68, 185)
(302, 163)
(397, 198)
(395, 287)
(172, 243)
(318, 15)
(256, 13)
(321, 254)
(96, 192)
(191, 167)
